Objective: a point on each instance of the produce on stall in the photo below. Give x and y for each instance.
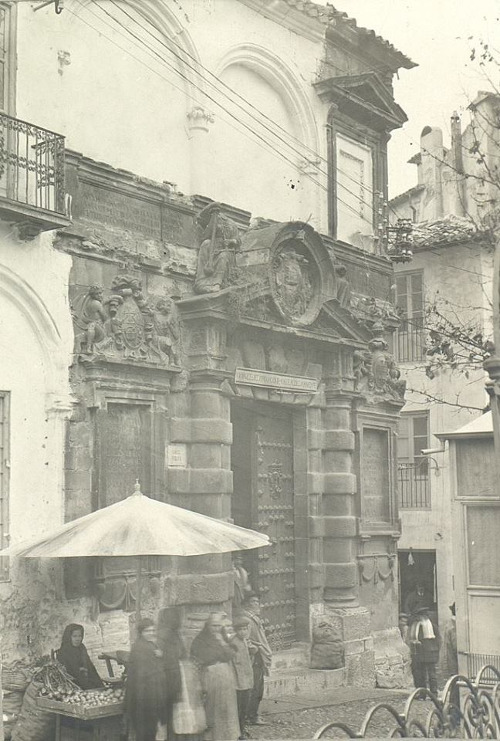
(52, 690)
(57, 686)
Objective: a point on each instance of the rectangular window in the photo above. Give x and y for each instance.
(354, 188)
(4, 480)
(410, 336)
(413, 467)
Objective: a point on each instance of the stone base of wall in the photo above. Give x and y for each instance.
(354, 627)
(392, 659)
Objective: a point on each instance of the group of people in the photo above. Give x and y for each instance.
(229, 662)
(421, 632)
(233, 661)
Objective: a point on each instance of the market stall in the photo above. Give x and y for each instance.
(137, 526)
(55, 706)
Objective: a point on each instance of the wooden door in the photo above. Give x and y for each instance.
(264, 500)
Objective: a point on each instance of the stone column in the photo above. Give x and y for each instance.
(205, 485)
(339, 521)
(199, 120)
(340, 541)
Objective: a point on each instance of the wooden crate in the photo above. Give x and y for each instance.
(73, 710)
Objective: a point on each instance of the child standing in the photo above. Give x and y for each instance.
(242, 664)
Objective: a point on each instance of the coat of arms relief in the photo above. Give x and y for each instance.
(126, 324)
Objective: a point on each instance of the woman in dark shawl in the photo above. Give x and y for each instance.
(213, 654)
(146, 686)
(173, 650)
(75, 659)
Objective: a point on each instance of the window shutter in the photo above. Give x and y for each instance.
(403, 439)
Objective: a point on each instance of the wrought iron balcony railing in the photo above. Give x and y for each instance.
(410, 341)
(413, 485)
(32, 192)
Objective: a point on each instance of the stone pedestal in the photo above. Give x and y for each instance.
(392, 659)
(353, 624)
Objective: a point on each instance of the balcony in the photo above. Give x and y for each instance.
(32, 194)
(413, 485)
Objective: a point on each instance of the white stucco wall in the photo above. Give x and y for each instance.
(141, 122)
(36, 339)
(463, 276)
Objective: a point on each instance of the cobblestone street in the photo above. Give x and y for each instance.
(302, 722)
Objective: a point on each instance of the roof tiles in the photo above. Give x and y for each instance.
(330, 15)
(448, 230)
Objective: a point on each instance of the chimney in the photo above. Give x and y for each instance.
(456, 143)
(457, 163)
(432, 151)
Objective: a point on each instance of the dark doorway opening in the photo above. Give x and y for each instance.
(417, 567)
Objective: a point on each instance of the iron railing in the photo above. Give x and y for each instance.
(31, 165)
(467, 709)
(414, 485)
(476, 661)
(410, 341)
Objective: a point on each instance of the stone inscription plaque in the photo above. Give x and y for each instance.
(375, 476)
(119, 210)
(280, 381)
(177, 456)
(158, 221)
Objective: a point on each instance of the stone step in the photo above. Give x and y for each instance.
(302, 681)
(290, 658)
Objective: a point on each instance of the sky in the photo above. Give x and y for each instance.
(438, 35)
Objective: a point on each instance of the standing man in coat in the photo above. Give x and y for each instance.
(261, 659)
(424, 642)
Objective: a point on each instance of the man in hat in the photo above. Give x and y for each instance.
(424, 642)
(261, 658)
(417, 598)
(242, 664)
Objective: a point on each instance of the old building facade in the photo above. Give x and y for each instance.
(236, 365)
(450, 275)
(470, 458)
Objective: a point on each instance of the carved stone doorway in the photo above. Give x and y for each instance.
(263, 498)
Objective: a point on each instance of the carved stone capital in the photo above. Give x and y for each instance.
(199, 119)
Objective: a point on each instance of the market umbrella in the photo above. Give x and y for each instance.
(140, 526)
